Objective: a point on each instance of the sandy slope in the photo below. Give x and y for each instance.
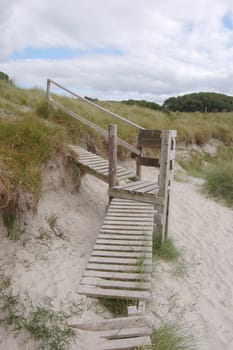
(46, 268)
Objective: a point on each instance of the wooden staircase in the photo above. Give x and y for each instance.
(120, 265)
(97, 166)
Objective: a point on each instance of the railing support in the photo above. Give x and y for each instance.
(112, 132)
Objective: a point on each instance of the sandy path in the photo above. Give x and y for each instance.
(203, 229)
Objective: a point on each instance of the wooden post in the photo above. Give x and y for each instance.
(48, 90)
(112, 136)
(163, 182)
(47, 97)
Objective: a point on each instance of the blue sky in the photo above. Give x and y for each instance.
(61, 53)
(120, 49)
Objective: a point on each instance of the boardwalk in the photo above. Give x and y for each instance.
(120, 265)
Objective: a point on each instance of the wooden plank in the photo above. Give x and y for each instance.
(93, 163)
(129, 185)
(93, 291)
(118, 254)
(137, 196)
(125, 333)
(145, 233)
(146, 161)
(149, 139)
(128, 222)
(111, 236)
(123, 248)
(117, 268)
(124, 227)
(122, 344)
(152, 187)
(137, 185)
(113, 323)
(141, 243)
(93, 281)
(128, 217)
(118, 275)
(128, 201)
(126, 211)
(125, 261)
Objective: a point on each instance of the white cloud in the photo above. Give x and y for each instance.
(169, 47)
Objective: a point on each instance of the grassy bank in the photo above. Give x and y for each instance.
(30, 106)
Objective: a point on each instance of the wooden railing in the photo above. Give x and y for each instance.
(83, 120)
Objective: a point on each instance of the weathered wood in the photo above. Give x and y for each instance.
(97, 106)
(123, 248)
(122, 344)
(113, 323)
(93, 126)
(127, 222)
(133, 226)
(137, 196)
(121, 261)
(117, 268)
(100, 282)
(125, 333)
(93, 291)
(120, 254)
(163, 181)
(97, 166)
(129, 217)
(144, 233)
(106, 235)
(146, 161)
(149, 139)
(118, 275)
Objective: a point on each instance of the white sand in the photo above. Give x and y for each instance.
(47, 266)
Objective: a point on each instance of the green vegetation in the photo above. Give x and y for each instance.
(14, 229)
(118, 307)
(30, 132)
(200, 102)
(172, 337)
(144, 104)
(4, 76)
(25, 145)
(217, 171)
(44, 324)
(49, 328)
(52, 221)
(165, 250)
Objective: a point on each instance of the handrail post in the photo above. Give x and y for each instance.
(112, 136)
(48, 90)
(47, 97)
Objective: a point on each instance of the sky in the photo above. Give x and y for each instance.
(119, 49)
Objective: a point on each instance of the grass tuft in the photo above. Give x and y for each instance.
(165, 250)
(13, 227)
(49, 328)
(44, 324)
(118, 307)
(172, 337)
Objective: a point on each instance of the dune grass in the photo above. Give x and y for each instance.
(192, 128)
(217, 171)
(166, 250)
(172, 337)
(45, 325)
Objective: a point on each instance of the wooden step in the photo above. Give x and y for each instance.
(97, 166)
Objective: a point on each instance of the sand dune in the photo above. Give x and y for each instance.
(46, 268)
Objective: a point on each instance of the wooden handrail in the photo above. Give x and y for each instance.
(49, 81)
(87, 122)
(93, 126)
